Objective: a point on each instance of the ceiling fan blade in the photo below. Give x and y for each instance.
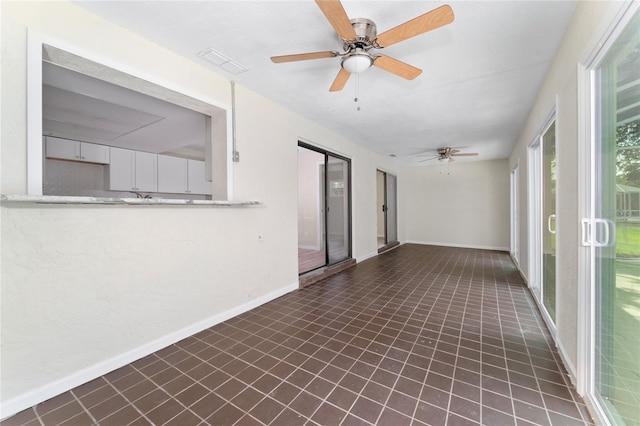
(423, 23)
(467, 154)
(303, 56)
(338, 18)
(429, 159)
(397, 67)
(451, 160)
(340, 81)
(453, 151)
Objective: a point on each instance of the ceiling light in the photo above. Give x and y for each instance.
(357, 61)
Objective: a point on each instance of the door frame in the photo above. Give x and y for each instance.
(324, 202)
(614, 24)
(515, 213)
(388, 244)
(535, 216)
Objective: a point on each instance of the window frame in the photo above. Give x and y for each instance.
(218, 151)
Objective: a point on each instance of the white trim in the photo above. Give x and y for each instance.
(35, 156)
(514, 213)
(566, 360)
(366, 256)
(471, 246)
(28, 399)
(521, 272)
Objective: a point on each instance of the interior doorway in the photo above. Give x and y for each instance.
(387, 210)
(324, 208)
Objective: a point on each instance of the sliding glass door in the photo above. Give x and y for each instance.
(387, 208)
(324, 210)
(613, 230)
(337, 211)
(549, 221)
(542, 231)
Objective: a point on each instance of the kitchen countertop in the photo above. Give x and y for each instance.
(57, 199)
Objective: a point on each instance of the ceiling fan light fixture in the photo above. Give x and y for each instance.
(357, 61)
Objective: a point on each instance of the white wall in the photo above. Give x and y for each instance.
(464, 205)
(560, 91)
(88, 288)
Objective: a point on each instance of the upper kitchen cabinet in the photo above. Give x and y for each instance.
(132, 171)
(197, 180)
(182, 176)
(66, 149)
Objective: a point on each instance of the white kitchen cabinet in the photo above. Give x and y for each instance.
(172, 174)
(133, 171)
(181, 176)
(66, 149)
(197, 182)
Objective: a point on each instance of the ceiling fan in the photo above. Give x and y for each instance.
(359, 37)
(447, 154)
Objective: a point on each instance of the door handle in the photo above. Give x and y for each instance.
(609, 237)
(590, 232)
(551, 216)
(586, 232)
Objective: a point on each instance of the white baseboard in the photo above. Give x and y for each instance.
(30, 398)
(366, 256)
(471, 246)
(571, 369)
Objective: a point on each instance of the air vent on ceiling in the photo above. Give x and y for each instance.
(221, 60)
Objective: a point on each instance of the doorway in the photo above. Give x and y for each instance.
(324, 208)
(387, 210)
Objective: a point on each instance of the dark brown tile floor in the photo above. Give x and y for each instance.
(418, 335)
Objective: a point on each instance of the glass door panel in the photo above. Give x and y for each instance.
(311, 226)
(549, 225)
(337, 212)
(391, 209)
(381, 214)
(535, 229)
(616, 229)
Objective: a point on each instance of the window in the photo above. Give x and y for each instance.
(79, 106)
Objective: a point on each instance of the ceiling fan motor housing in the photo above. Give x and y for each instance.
(366, 32)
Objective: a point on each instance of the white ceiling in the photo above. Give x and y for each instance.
(76, 106)
(480, 74)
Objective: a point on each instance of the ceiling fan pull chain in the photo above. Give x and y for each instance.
(357, 92)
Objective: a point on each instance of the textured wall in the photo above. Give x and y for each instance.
(560, 92)
(82, 285)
